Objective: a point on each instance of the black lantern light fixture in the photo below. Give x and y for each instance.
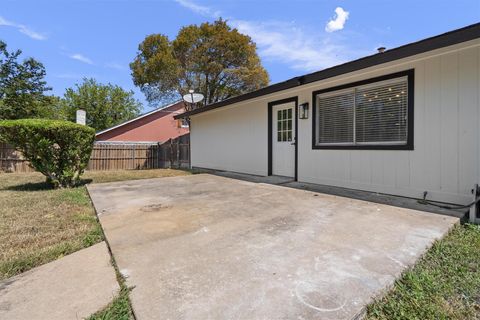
(303, 110)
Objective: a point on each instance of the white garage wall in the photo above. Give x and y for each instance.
(445, 159)
(232, 139)
(444, 162)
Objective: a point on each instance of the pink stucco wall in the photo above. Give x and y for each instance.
(158, 126)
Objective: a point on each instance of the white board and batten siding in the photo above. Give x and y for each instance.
(234, 139)
(445, 161)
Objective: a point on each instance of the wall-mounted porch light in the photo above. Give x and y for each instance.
(303, 111)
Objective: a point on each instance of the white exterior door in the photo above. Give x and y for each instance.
(283, 140)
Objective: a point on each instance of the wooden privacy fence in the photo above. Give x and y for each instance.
(12, 160)
(174, 153)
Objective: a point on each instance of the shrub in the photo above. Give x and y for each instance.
(58, 149)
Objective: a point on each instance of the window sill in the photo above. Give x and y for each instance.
(364, 147)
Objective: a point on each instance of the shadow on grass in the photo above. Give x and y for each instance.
(40, 186)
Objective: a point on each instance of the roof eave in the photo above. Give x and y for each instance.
(443, 40)
(138, 118)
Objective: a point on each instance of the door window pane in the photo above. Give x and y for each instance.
(284, 125)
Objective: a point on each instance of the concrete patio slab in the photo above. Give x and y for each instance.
(376, 197)
(277, 180)
(73, 287)
(209, 247)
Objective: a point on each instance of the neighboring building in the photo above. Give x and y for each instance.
(155, 126)
(402, 122)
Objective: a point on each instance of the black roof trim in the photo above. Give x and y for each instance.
(443, 40)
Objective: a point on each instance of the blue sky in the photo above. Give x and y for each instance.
(76, 39)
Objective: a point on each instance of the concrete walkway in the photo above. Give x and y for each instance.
(209, 247)
(73, 287)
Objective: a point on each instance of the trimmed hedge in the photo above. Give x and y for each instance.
(58, 149)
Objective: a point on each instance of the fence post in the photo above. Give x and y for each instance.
(189, 153)
(171, 153)
(133, 157)
(156, 165)
(177, 143)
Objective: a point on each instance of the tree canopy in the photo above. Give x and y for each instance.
(22, 86)
(212, 59)
(106, 105)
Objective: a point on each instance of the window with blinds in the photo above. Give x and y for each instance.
(335, 118)
(373, 114)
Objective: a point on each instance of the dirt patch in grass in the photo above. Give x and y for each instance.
(444, 284)
(39, 224)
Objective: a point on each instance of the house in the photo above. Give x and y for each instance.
(155, 126)
(403, 121)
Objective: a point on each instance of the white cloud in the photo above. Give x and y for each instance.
(23, 29)
(32, 34)
(202, 10)
(114, 65)
(285, 42)
(338, 21)
(80, 57)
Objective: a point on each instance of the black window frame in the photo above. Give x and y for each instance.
(410, 74)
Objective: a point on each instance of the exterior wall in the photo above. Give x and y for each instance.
(158, 126)
(445, 161)
(231, 139)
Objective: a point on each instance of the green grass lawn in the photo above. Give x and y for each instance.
(444, 284)
(39, 224)
(118, 309)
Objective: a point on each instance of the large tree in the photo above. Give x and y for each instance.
(22, 86)
(105, 105)
(212, 59)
